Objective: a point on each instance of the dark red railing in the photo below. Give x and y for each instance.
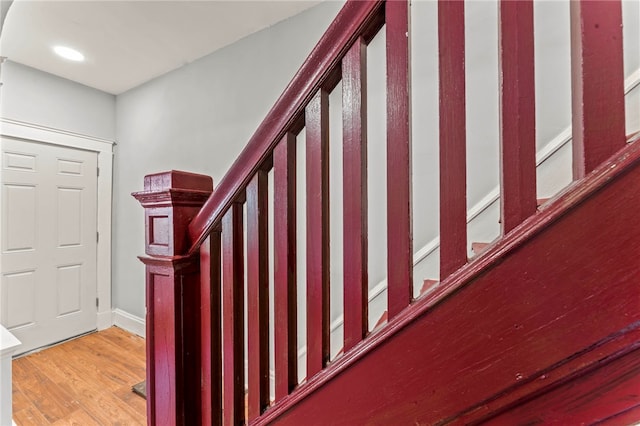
(215, 342)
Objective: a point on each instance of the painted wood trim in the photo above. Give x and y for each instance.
(129, 322)
(150, 348)
(453, 166)
(355, 19)
(8, 345)
(517, 113)
(285, 264)
(317, 170)
(399, 210)
(233, 321)
(210, 330)
(257, 294)
(355, 222)
(32, 131)
(597, 83)
(606, 380)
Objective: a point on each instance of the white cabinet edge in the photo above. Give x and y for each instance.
(8, 342)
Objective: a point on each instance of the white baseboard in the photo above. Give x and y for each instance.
(129, 322)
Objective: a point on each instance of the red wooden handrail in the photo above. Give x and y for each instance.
(357, 18)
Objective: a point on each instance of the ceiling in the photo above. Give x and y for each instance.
(127, 43)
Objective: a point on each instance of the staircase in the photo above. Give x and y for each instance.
(541, 325)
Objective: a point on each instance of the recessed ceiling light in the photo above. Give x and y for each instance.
(69, 53)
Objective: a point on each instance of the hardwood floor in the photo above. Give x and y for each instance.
(86, 381)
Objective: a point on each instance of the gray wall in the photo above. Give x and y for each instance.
(198, 118)
(36, 97)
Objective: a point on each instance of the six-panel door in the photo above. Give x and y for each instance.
(49, 241)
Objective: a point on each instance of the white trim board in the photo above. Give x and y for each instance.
(129, 322)
(104, 148)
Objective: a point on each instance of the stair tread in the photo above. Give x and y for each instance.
(478, 247)
(427, 285)
(541, 201)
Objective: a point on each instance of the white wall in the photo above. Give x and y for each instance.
(35, 97)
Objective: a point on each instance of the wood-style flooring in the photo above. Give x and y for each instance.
(85, 381)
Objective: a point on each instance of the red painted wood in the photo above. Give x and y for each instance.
(211, 331)
(206, 350)
(629, 417)
(317, 125)
(453, 166)
(233, 321)
(285, 299)
(258, 294)
(171, 200)
(150, 344)
(354, 118)
(355, 19)
(597, 83)
(191, 345)
(517, 113)
(399, 223)
(174, 350)
(167, 354)
(536, 313)
(604, 393)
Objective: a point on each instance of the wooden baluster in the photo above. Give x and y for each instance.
(317, 125)
(453, 168)
(210, 331)
(354, 116)
(597, 83)
(258, 293)
(517, 113)
(233, 322)
(399, 224)
(284, 239)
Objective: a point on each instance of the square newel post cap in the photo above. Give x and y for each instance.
(177, 180)
(171, 200)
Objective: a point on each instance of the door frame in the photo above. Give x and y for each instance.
(104, 149)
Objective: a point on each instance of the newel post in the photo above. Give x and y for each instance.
(171, 200)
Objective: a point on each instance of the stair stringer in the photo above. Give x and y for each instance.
(554, 300)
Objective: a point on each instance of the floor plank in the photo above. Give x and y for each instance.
(85, 381)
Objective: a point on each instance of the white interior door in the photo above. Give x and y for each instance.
(48, 239)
